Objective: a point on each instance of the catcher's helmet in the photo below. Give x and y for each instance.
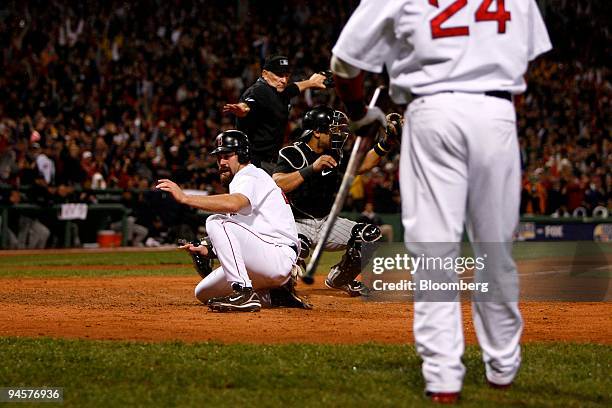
(325, 119)
(233, 141)
(319, 119)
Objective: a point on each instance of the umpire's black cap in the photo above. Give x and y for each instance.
(279, 64)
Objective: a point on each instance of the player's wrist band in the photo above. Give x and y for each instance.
(382, 148)
(307, 172)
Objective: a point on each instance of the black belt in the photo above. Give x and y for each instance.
(496, 94)
(500, 94)
(295, 248)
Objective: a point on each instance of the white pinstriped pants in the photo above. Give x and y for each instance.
(460, 166)
(246, 257)
(338, 237)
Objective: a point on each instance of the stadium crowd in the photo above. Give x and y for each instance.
(97, 95)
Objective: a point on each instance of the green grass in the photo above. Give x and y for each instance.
(79, 265)
(34, 265)
(99, 373)
(96, 258)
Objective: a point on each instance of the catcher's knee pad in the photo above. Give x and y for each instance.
(203, 264)
(362, 232)
(305, 245)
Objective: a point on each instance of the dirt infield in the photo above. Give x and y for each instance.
(164, 308)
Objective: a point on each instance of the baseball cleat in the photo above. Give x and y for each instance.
(353, 289)
(242, 300)
(443, 397)
(286, 296)
(499, 386)
(359, 287)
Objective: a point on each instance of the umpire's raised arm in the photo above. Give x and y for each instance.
(263, 109)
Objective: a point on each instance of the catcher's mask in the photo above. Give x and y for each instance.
(233, 141)
(339, 131)
(325, 119)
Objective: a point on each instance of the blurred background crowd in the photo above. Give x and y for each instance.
(115, 95)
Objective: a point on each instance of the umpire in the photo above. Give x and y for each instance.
(263, 109)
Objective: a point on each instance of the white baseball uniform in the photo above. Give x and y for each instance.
(459, 156)
(256, 247)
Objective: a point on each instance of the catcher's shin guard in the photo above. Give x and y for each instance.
(345, 271)
(203, 264)
(305, 245)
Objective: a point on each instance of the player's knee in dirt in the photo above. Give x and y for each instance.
(200, 295)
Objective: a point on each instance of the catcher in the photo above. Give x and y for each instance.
(310, 172)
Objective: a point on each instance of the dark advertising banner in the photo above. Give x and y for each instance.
(542, 231)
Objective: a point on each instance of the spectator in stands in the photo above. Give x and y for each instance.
(44, 164)
(158, 233)
(112, 88)
(557, 201)
(31, 233)
(136, 233)
(595, 194)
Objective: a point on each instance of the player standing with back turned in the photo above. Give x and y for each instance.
(462, 61)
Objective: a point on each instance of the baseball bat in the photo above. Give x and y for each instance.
(360, 148)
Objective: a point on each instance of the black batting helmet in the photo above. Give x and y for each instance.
(233, 141)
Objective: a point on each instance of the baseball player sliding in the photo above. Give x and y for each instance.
(253, 234)
(462, 61)
(310, 172)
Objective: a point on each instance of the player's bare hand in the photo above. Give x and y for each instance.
(239, 109)
(200, 249)
(324, 162)
(172, 188)
(317, 81)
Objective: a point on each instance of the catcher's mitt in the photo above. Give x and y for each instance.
(394, 127)
(392, 136)
(202, 263)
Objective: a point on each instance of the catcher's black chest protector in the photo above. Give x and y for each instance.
(315, 196)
